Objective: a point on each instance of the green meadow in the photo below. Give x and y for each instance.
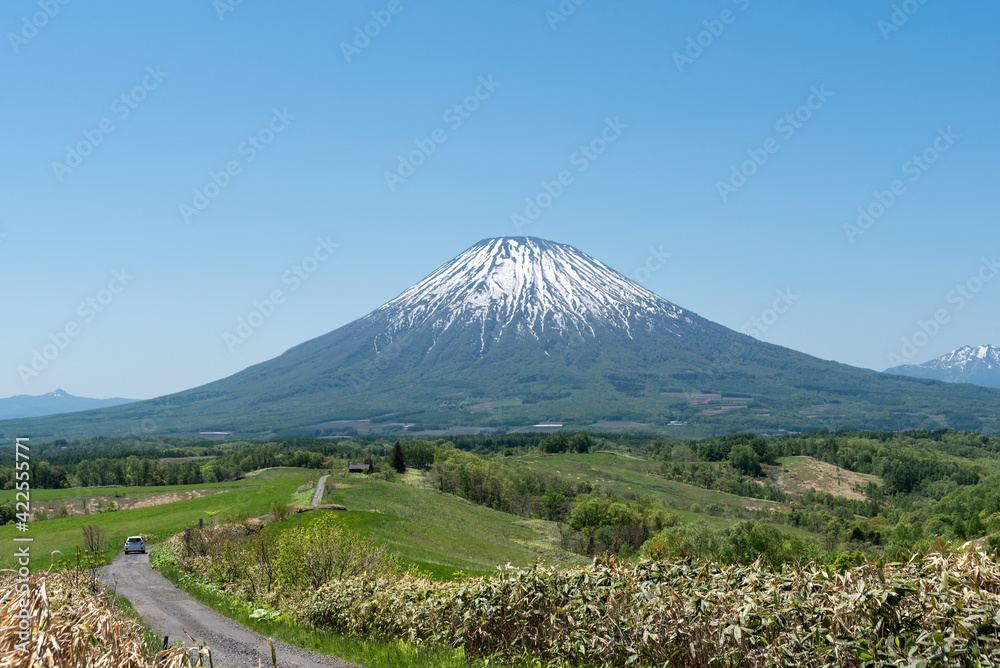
(246, 497)
(441, 533)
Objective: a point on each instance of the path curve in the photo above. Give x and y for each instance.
(171, 612)
(318, 496)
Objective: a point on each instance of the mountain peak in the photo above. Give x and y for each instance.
(967, 354)
(968, 364)
(59, 401)
(526, 287)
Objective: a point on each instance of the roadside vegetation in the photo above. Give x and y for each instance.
(304, 580)
(932, 611)
(75, 621)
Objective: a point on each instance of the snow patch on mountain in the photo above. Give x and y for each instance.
(528, 287)
(962, 358)
(968, 364)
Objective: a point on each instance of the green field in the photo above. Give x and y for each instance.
(440, 532)
(250, 497)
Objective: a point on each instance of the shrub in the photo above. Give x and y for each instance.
(94, 538)
(715, 510)
(679, 614)
(269, 566)
(280, 511)
(310, 556)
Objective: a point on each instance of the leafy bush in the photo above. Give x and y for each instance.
(932, 611)
(269, 567)
(715, 510)
(280, 511)
(745, 543)
(310, 556)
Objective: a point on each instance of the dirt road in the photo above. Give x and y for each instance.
(318, 495)
(171, 612)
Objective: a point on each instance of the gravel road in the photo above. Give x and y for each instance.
(318, 495)
(171, 612)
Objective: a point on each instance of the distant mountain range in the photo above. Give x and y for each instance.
(517, 331)
(970, 364)
(60, 401)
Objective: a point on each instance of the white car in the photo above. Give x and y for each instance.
(135, 544)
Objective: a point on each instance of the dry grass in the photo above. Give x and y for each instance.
(74, 506)
(795, 475)
(68, 619)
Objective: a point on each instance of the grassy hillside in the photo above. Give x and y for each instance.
(631, 477)
(440, 532)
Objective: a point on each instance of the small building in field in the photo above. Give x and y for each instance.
(359, 468)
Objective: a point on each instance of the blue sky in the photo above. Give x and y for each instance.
(122, 119)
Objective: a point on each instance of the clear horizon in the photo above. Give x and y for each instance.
(168, 168)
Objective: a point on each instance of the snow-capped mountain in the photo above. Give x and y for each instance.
(522, 286)
(969, 364)
(516, 331)
(60, 401)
